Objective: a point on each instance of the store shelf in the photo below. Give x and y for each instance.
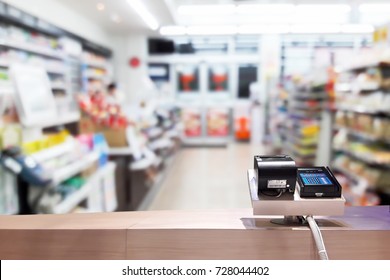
(304, 96)
(154, 132)
(54, 151)
(155, 188)
(362, 66)
(350, 175)
(301, 155)
(363, 135)
(74, 168)
(56, 71)
(5, 64)
(61, 120)
(70, 202)
(145, 163)
(162, 143)
(302, 142)
(124, 151)
(172, 133)
(361, 185)
(363, 158)
(95, 77)
(6, 91)
(58, 86)
(32, 49)
(362, 110)
(95, 64)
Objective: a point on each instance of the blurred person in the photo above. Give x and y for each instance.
(114, 96)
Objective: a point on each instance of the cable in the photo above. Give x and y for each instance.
(315, 230)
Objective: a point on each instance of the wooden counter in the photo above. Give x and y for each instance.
(362, 233)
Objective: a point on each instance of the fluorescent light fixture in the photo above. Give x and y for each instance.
(173, 30)
(211, 30)
(316, 28)
(276, 9)
(320, 18)
(144, 13)
(188, 10)
(322, 8)
(259, 19)
(357, 28)
(263, 29)
(374, 8)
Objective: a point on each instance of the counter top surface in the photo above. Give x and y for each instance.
(355, 218)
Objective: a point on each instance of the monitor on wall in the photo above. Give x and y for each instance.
(247, 74)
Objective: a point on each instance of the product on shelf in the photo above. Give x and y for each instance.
(192, 122)
(94, 60)
(98, 115)
(217, 122)
(365, 126)
(375, 177)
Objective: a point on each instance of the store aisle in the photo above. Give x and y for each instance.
(206, 178)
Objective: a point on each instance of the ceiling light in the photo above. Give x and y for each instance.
(100, 6)
(144, 13)
(172, 30)
(187, 10)
(265, 9)
(212, 30)
(357, 28)
(263, 29)
(322, 8)
(315, 28)
(374, 8)
(320, 18)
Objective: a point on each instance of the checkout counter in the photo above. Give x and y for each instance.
(361, 233)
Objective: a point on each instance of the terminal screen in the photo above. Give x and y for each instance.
(315, 179)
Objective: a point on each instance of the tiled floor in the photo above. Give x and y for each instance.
(207, 178)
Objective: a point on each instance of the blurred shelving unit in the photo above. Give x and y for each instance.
(361, 146)
(162, 138)
(96, 71)
(306, 100)
(29, 40)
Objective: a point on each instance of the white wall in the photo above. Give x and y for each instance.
(64, 17)
(131, 80)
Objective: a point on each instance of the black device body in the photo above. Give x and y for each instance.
(318, 182)
(275, 174)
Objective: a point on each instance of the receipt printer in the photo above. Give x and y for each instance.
(277, 174)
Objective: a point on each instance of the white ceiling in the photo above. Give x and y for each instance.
(165, 12)
(129, 19)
